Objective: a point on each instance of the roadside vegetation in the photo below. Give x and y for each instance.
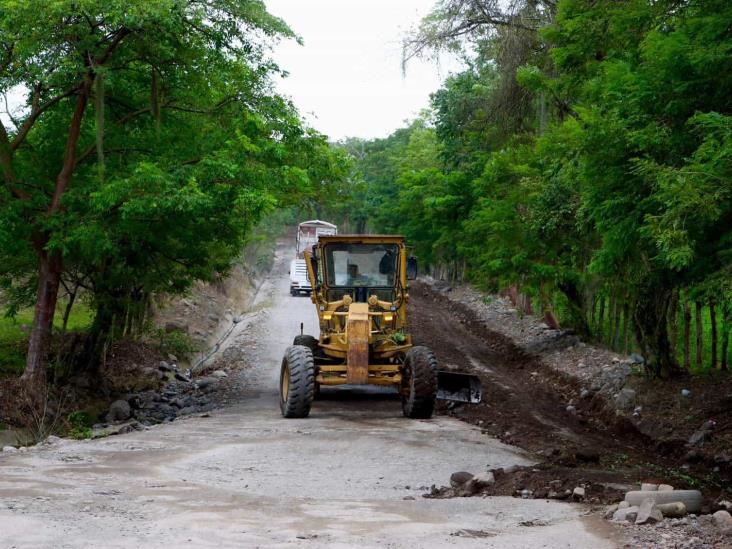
(581, 163)
(143, 143)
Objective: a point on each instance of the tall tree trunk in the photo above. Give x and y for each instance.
(49, 279)
(650, 319)
(67, 310)
(616, 326)
(699, 340)
(687, 335)
(713, 319)
(593, 312)
(576, 307)
(601, 320)
(546, 308)
(726, 321)
(673, 313)
(50, 263)
(626, 312)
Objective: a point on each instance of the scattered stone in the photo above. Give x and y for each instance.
(635, 358)
(648, 513)
(625, 399)
(119, 411)
(176, 327)
(219, 374)
(9, 449)
(648, 486)
(587, 455)
(165, 367)
(118, 429)
(585, 394)
(172, 358)
(526, 493)
(481, 481)
(665, 488)
(578, 493)
(676, 509)
(685, 393)
(703, 434)
(722, 519)
(571, 410)
(205, 382)
(628, 514)
(459, 479)
(181, 377)
(610, 511)
(724, 505)
(623, 505)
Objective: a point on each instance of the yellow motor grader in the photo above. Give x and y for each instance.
(360, 291)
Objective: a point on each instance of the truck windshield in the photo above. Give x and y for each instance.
(351, 265)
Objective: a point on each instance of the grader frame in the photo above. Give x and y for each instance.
(360, 291)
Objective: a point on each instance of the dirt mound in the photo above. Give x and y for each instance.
(548, 412)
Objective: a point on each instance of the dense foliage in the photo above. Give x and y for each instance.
(584, 156)
(149, 143)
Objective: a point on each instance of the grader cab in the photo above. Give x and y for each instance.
(360, 290)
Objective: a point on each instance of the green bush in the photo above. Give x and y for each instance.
(80, 423)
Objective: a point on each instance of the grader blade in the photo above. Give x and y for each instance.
(458, 387)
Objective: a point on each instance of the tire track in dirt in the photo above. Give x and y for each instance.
(525, 402)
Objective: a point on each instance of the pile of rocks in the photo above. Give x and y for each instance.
(181, 395)
(656, 503)
(463, 484)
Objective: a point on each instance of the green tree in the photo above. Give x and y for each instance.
(151, 141)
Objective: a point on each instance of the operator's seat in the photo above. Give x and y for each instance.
(360, 294)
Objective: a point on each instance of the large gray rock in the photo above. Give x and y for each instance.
(674, 510)
(648, 513)
(460, 478)
(118, 429)
(628, 514)
(722, 519)
(9, 449)
(692, 499)
(119, 411)
(481, 481)
(625, 399)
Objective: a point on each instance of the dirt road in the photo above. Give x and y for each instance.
(350, 475)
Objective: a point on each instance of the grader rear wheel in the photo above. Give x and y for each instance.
(297, 382)
(419, 383)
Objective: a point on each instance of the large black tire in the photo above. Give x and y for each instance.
(419, 383)
(297, 382)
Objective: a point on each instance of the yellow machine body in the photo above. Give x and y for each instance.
(363, 327)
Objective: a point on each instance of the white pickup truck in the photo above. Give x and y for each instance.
(299, 282)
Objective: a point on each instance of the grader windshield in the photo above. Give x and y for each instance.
(355, 265)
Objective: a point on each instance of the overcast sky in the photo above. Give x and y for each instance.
(347, 79)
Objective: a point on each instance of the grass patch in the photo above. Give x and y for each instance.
(14, 332)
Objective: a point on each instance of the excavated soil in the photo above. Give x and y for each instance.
(577, 442)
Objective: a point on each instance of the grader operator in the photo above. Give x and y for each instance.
(360, 291)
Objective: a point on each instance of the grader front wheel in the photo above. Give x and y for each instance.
(297, 382)
(419, 383)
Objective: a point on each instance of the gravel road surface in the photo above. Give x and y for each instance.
(352, 474)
